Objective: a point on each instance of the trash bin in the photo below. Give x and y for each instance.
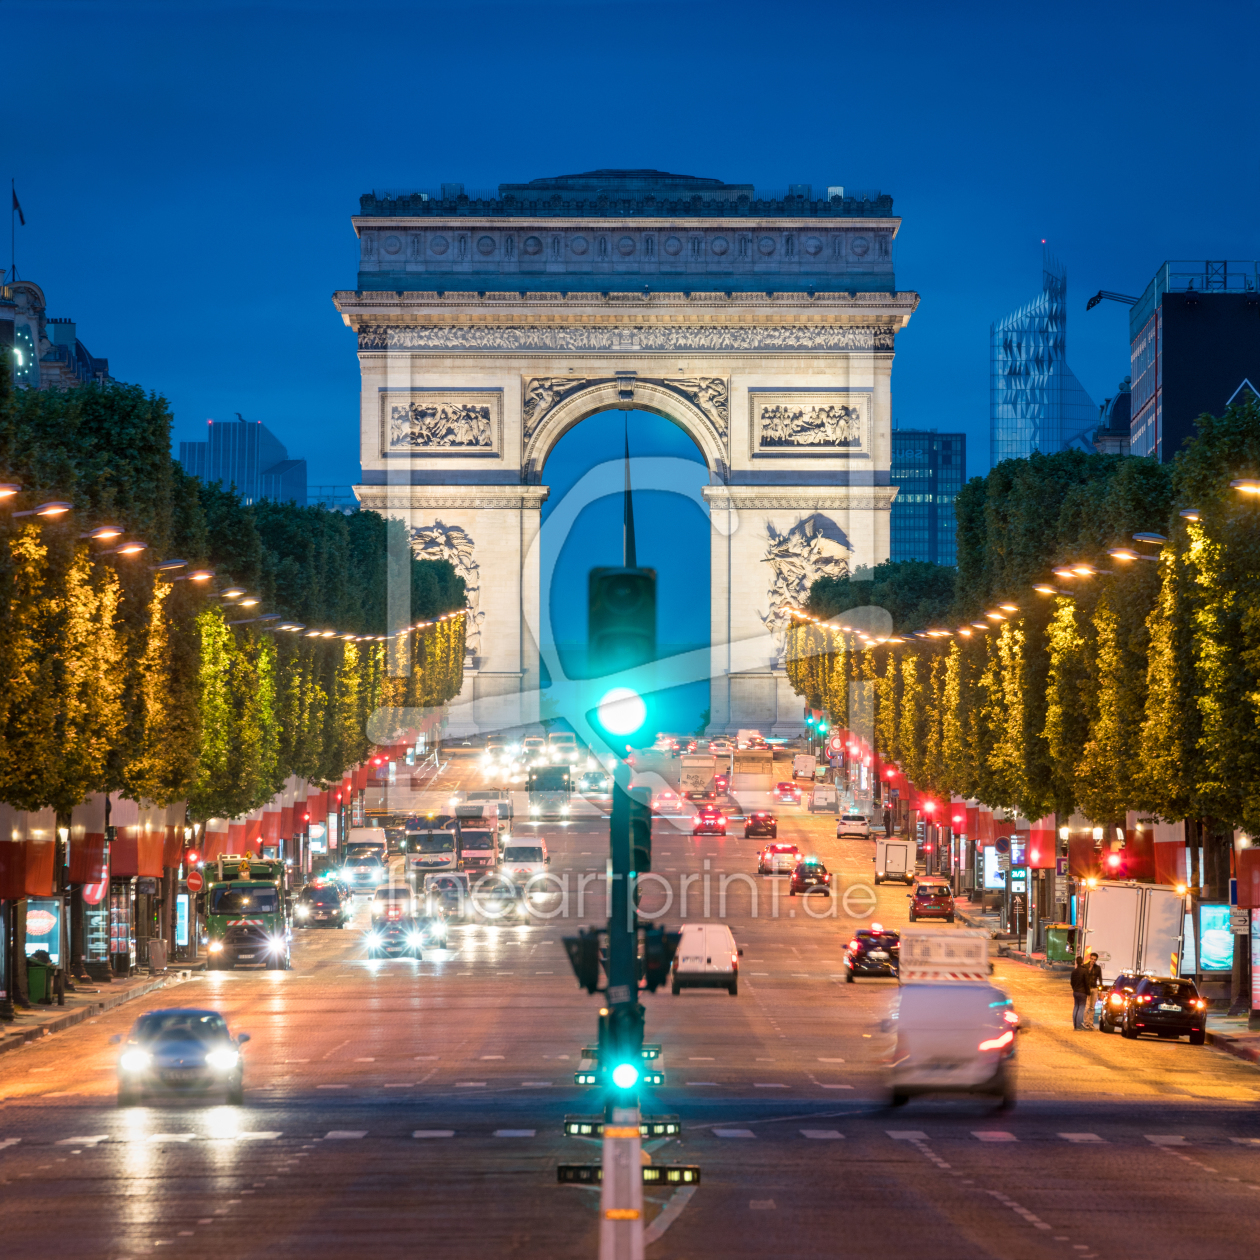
(37, 977)
(1060, 942)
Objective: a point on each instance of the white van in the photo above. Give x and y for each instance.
(521, 859)
(953, 1039)
(706, 958)
(894, 859)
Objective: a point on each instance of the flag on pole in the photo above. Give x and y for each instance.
(17, 205)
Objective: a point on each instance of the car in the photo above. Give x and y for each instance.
(396, 902)
(394, 938)
(810, 875)
(1114, 998)
(787, 794)
(852, 823)
(180, 1052)
(721, 784)
(709, 820)
(706, 958)
(364, 868)
(667, 802)
(687, 746)
(719, 746)
(953, 1038)
(873, 951)
(525, 859)
(931, 899)
(761, 822)
(1167, 1007)
(595, 785)
(431, 931)
(778, 859)
(323, 903)
(496, 900)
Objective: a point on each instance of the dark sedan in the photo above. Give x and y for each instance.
(761, 822)
(180, 1052)
(810, 876)
(1166, 1007)
(872, 952)
(709, 821)
(1114, 999)
(323, 904)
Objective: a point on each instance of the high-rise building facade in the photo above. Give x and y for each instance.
(247, 455)
(928, 469)
(1194, 338)
(1035, 401)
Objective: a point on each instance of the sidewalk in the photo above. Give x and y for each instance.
(1226, 1032)
(87, 1002)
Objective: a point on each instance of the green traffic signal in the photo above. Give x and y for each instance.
(625, 1076)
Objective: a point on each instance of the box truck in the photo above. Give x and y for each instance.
(696, 776)
(1132, 927)
(894, 859)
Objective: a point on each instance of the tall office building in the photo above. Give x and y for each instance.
(929, 469)
(1035, 401)
(247, 455)
(1194, 338)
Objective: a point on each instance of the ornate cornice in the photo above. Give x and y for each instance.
(388, 499)
(805, 498)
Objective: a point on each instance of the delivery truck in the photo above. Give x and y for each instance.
(1133, 927)
(696, 776)
(894, 859)
(804, 766)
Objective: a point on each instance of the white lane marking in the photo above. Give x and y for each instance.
(1246, 1141)
(492, 1056)
(700, 1058)
(822, 1135)
(770, 1085)
(702, 1082)
(906, 1135)
(332, 1086)
(733, 1133)
(668, 1214)
(835, 1086)
(433, 1133)
(363, 1060)
(994, 1135)
(1165, 1139)
(470, 1084)
(171, 1137)
(4, 1142)
(84, 1141)
(514, 1132)
(1082, 1137)
(258, 1135)
(425, 1058)
(830, 1060)
(537, 1084)
(344, 1135)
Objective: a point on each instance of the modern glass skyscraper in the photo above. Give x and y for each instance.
(1035, 401)
(247, 455)
(929, 470)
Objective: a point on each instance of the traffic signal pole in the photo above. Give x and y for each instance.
(621, 1192)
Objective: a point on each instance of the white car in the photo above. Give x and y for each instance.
(521, 860)
(852, 823)
(706, 958)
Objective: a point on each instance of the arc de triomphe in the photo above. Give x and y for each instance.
(761, 324)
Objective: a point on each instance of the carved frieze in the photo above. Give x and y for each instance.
(441, 421)
(814, 547)
(809, 422)
(541, 394)
(527, 337)
(455, 544)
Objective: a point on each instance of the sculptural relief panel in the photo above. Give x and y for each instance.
(810, 422)
(441, 422)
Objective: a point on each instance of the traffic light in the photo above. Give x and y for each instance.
(640, 829)
(621, 619)
(192, 858)
(583, 951)
(621, 1045)
(659, 947)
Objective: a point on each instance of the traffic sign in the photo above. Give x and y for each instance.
(836, 744)
(196, 881)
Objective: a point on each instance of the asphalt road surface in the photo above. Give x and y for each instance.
(400, 1108)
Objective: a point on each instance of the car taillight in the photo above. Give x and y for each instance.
(1115, 1000)
(1010, 1017)
(1146, 997)
(1199, 1004)
(997, 1043)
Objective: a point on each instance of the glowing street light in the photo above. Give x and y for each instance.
(1245, 485)
(1189, 514)
(8, 489)
(51, 510)
(103, 533)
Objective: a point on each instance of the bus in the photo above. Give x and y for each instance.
(550, 788)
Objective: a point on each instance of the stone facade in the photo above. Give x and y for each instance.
(786, 393)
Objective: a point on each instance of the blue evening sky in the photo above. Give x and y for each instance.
(188, 170)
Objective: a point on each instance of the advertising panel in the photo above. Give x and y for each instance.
(1216, 941)
(43, 927)
(994, 875)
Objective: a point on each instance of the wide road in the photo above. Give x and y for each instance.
(403, 1108)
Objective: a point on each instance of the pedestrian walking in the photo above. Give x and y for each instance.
(1094, 972)
(1080, 993)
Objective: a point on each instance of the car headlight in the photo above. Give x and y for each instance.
(277, 944)
(415, 940)
(222, 1060)
(374, 938)
(303, 912)
(216, 947)
(135, 1060)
